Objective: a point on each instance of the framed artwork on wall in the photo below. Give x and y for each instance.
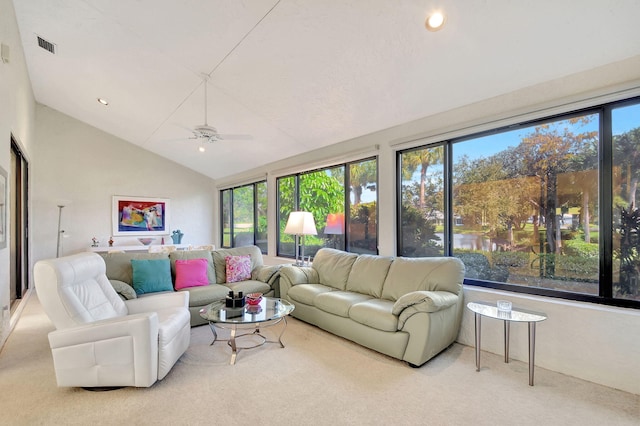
(4, 204)
(136, 216)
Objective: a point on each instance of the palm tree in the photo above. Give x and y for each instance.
(422, 158)
(362, 176)
(627, 155)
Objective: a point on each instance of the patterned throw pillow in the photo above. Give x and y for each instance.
(238, 268)
(191, 273)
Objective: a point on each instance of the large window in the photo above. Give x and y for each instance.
(625, 126)
(244, 216)
(547, 207)
(422, 203)
(343, 201)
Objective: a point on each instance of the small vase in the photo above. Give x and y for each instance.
(176, 237)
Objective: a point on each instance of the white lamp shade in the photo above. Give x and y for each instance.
(301, 223)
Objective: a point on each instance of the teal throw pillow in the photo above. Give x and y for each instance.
(151, 275)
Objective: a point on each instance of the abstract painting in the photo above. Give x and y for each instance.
(140, 216)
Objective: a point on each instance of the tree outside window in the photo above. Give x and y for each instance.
(244, 216)
(525, 209)
(324, 194)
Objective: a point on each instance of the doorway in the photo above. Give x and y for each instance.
(18, 228)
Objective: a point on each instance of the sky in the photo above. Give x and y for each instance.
(624, 119)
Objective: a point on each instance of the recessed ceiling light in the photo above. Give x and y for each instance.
(103, 101)
(435, 21)
(201, 149)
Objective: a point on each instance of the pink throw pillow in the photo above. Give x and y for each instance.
(238, 268)
(191, 273)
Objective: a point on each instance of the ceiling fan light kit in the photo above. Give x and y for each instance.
(206, 133)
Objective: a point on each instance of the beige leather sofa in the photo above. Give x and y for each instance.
(264, 279)
(407, 308)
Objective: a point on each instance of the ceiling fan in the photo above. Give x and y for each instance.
(206, 133)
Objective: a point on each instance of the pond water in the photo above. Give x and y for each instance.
(469, 242)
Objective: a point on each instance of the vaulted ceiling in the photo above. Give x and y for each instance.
(297, 75)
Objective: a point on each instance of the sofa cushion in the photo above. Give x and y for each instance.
(333, 267)
(375, 313)
(238, 268)
(151, 275)
(423, 274)
(306, 293)
(368, 274)
(338, 302)
(249, 286)
(190, 273)
(220, 263)
(194, 254)
(118, 265)
(200, 296)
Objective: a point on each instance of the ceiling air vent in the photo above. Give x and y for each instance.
(46, 45)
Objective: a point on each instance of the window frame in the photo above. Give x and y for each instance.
(230, 192)
(605, 202)
(347, 200)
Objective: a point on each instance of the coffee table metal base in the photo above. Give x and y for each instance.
(234, 336)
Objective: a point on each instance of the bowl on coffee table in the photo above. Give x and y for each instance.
(253, 299)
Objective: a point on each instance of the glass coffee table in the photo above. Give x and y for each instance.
(270, 311)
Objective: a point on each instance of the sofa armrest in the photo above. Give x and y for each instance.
(299, 275)
(291, 275)
(266, 273)
(179, 299)
(422, 302)
(425, 301)
(123, 289)
(121, 350)
(139, 326)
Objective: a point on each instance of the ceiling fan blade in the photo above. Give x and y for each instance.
(235, 137)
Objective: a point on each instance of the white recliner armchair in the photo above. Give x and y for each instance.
(101, 340)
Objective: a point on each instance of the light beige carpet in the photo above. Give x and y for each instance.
(318, 379)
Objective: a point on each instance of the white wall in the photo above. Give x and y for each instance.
(81, 167)
(593, 342)
(17, 117)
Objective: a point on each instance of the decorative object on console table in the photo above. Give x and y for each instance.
(95, 242)
(300, 224)
(176, 236)
(146, 241)
(141, 216)
(3, 208)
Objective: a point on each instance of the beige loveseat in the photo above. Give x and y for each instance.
(407, 308)
(264, 279)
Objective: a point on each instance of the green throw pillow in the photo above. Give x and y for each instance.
(150, 276)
